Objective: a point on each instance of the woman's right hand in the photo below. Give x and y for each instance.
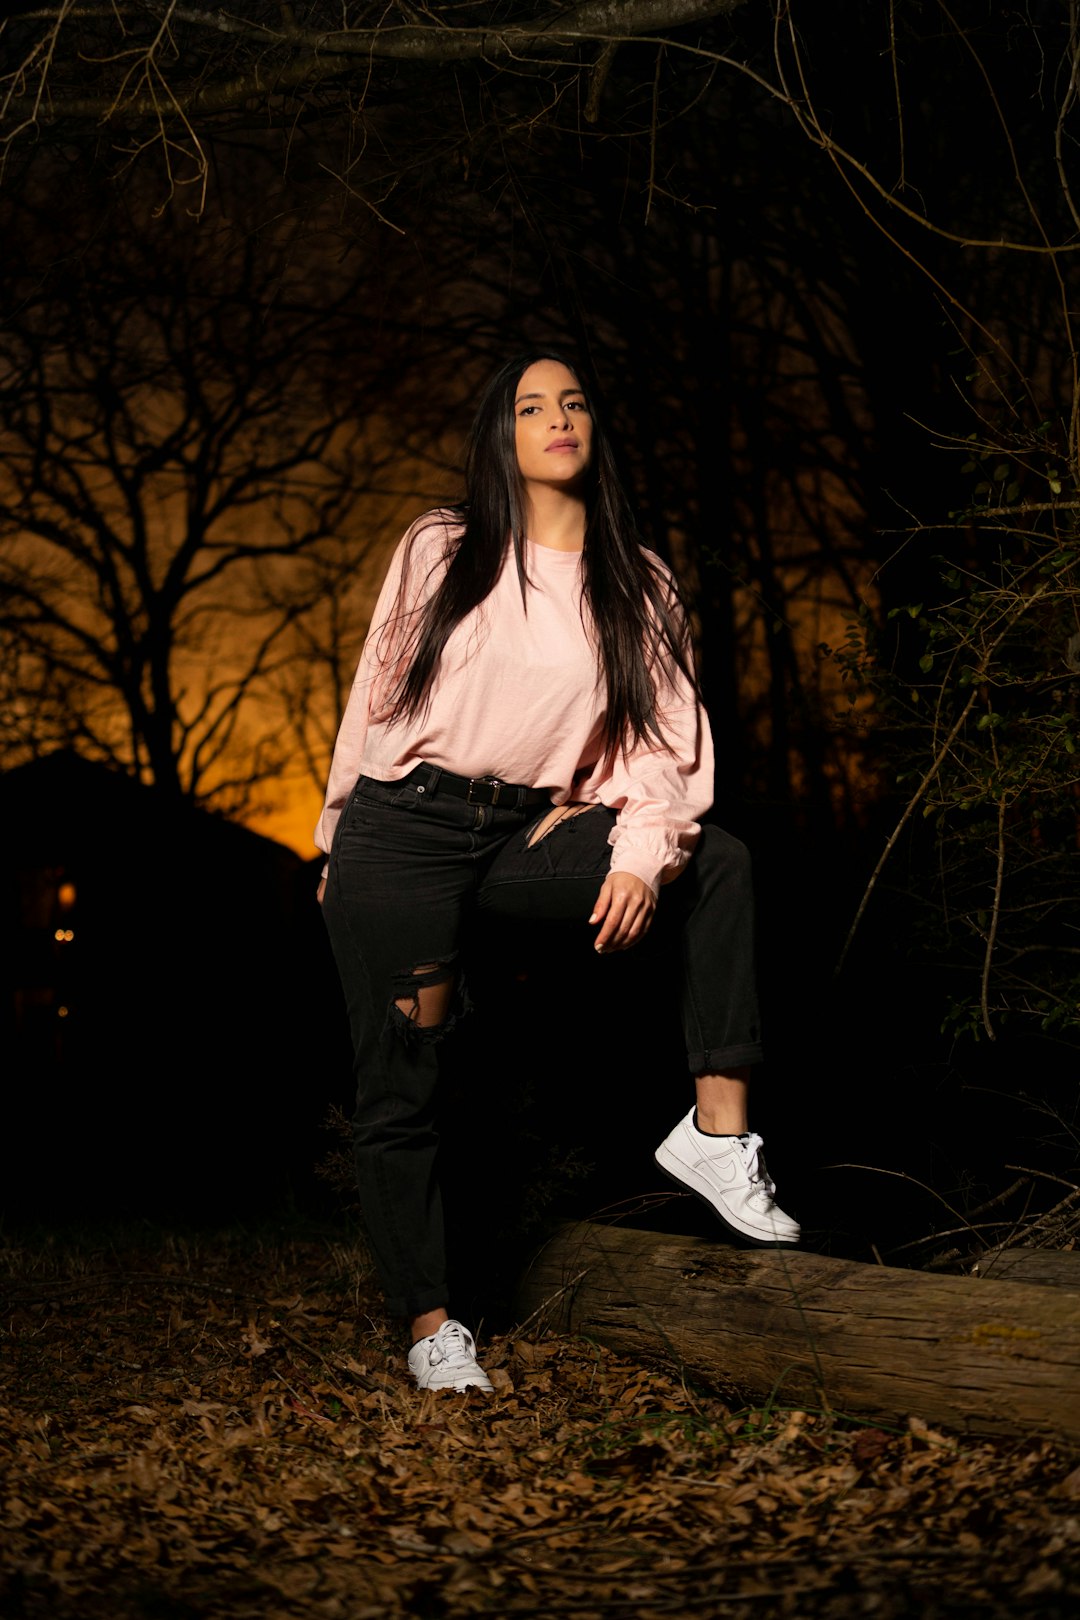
(624, 909)
(321, 890)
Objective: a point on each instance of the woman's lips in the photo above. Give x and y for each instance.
(562, 444)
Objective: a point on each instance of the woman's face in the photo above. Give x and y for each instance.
(552, 425)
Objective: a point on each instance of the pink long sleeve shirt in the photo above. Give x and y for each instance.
(518, 695)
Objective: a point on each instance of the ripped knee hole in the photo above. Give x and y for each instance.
(425, 996)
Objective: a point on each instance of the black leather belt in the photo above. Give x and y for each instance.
(477, 789)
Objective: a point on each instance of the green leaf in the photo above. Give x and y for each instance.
(926, 663)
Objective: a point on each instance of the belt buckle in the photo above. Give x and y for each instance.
(491, 783)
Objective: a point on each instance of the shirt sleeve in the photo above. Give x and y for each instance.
(661, 789)
(379, 651)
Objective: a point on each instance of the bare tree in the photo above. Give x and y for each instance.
(169, 77)
(670, 185)
(977, 669)
(190, 424)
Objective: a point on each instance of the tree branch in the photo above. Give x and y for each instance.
(314, 55)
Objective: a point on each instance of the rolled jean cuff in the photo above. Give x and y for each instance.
(721, 1059)
(410, 1305)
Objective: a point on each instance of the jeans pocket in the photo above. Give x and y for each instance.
(371, 793)
(367, 802)
(408, 796)
(394, 813)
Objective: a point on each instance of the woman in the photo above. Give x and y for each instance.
(524, 737)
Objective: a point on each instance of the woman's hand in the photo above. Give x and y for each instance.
(624, 908)
(321, 890)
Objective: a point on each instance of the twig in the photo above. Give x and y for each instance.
(909, 809)
(894, 836)
(995, 913)
(652, 134)
(542, 1307)
(904, 1175)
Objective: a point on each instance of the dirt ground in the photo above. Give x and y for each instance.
(204, 1426)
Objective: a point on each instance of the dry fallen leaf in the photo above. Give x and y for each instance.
(166, 1431)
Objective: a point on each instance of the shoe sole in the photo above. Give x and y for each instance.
(461, 1381)
(751, 1238)
(460, 1389)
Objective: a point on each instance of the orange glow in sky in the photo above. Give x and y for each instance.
(293, 820)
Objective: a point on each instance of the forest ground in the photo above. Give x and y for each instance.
(203, 1425)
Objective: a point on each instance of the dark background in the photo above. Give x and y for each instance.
(820, 266)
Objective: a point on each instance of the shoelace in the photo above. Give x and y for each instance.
(451, 1343)
(755, 1169)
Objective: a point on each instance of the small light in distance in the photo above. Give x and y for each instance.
(61, 1012)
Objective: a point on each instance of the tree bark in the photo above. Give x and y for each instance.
(1044, 1268)
(802, 1329)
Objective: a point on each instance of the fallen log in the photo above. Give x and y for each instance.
(1048, 1268)
(806, 1330)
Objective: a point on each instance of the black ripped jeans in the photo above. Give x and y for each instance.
(409, 869)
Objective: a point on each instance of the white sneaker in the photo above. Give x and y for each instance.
(447, 1360)
(729, 1173)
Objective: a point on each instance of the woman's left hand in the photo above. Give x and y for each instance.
(624, 909)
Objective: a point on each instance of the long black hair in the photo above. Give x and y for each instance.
(630, 600)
